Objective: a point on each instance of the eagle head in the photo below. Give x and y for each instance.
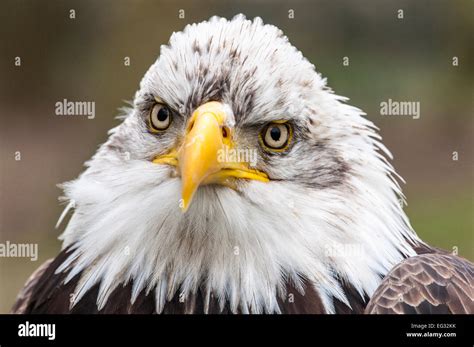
(236, 171)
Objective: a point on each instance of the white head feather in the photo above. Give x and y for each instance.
(334, 188)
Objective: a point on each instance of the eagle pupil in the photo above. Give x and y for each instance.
(163, 114)
(275, 133)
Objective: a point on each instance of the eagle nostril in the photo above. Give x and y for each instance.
(225, 133)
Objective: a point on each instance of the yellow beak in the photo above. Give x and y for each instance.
(200, 159)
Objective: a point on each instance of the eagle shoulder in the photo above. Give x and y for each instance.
(427, 283)
(24, 297)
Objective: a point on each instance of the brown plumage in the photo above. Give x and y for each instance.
(45, 292)
(427, 283)
(432, 282)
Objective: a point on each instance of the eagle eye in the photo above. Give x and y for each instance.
(276, 136)
(160, 118)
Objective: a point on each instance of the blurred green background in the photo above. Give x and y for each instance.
(83, 59)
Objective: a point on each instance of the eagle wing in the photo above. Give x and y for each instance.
(427, 283)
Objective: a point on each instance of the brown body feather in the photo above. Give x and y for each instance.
(45, 292)
(427, 283)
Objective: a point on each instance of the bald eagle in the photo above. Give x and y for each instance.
(238, 182)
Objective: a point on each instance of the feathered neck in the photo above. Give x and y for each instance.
(240, 246)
